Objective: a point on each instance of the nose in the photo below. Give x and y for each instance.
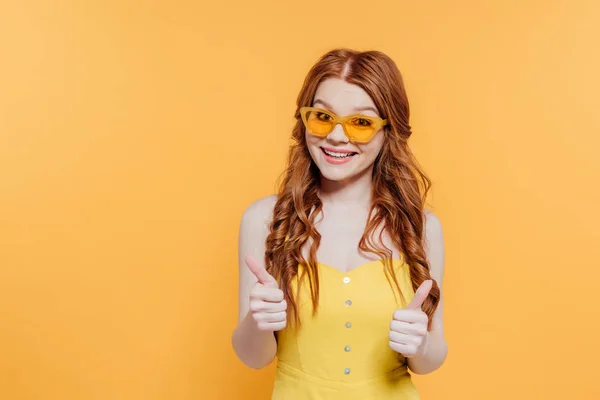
(337, 135)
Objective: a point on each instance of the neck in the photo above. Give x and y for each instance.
(352, 193)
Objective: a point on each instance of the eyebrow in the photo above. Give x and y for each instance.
(327, 105)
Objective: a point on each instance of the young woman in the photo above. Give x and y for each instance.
(341, 271)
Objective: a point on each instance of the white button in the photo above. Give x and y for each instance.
(346, 371)
(348, 324)
(347, 349)
(346, 279)
(348, 303)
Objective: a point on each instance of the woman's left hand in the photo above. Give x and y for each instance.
(408, 329)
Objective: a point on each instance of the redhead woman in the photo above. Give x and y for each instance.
(341, 270)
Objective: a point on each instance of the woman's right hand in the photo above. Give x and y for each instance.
(267, 304)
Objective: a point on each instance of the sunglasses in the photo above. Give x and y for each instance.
(358, 128)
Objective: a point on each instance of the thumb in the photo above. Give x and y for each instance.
(260, 272)
(420, 295)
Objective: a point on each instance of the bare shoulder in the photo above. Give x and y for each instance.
(434, 245)
(254, 226)
(433, 224)
(260, 210)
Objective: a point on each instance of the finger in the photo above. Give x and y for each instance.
(407, 350)
(260, 272)
(411, 316)
(269, 294)
(265, 306)
(408, 328)
(420, 295)
(408, 340)
(400, 338)
(271, 326)
(270, 317)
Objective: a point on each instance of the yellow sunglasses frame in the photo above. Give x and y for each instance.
(342, 120)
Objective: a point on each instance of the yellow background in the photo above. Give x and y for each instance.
(132, 137)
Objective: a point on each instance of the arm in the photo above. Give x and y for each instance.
(435, 348)
(254, 346)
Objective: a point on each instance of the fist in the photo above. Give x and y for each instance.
(267, 304)
(408, 329)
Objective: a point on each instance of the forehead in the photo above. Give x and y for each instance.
(344, 97)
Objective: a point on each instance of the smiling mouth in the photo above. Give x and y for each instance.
(340, 156)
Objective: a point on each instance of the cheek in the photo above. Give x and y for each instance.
(372, 149)
(313, 143)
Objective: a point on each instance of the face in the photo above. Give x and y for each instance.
(348, 159)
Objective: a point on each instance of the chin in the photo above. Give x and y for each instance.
(336, 173)
(335, 176)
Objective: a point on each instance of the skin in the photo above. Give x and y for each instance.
(342, 98)
(345, 190)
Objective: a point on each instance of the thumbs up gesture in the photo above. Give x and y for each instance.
(267, 305)
(408, 329)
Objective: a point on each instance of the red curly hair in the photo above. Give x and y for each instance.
(399, 185)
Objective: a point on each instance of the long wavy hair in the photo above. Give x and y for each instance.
(399, 186)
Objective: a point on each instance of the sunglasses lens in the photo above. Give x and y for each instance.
(361, 129)
(319, 123)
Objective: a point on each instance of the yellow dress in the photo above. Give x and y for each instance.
(342, 352)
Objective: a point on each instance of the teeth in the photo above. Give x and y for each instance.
(339, 155)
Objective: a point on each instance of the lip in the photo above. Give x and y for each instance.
(337, 161)
(332, 149)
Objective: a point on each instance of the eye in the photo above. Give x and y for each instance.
(362, 122)
(323, 116)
